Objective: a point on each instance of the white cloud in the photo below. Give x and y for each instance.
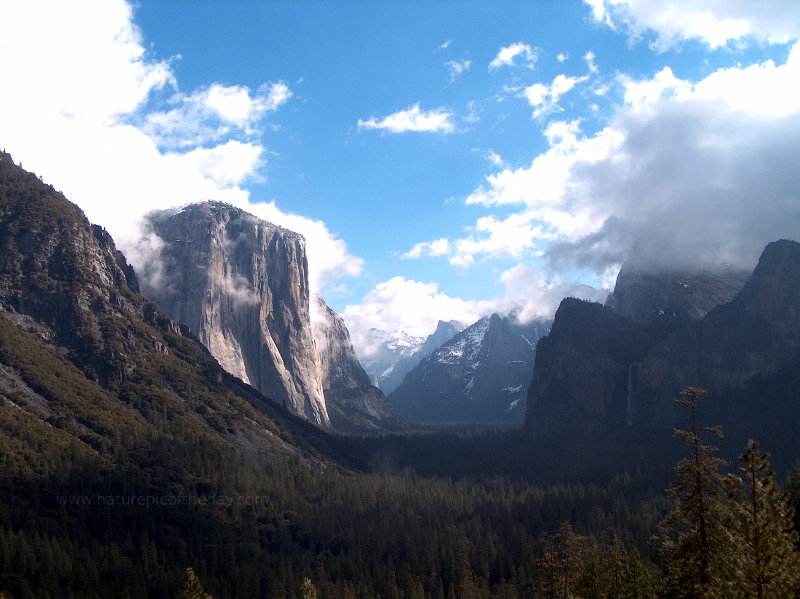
(686, 174)
(438, 247)
(411, 306)
(85, 106)
(508, 56)
(214, 113)
(562, 57)
(457, 67)
(533, 294)
(495, 158)
(714, 22)
(544, 98)
(415, 308)
(589, 57)
(412, 119)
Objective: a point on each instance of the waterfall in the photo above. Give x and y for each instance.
(633, 370)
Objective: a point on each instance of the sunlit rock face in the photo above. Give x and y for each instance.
(241, 284)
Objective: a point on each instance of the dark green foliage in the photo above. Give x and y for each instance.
(699, 560)
(767, 563)
(192, 588)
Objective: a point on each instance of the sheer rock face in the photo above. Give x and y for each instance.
(759, 330)
(241, 284)
(604, 368)
(354, 404)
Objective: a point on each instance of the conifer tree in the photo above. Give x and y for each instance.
(571, 556)
(793, 494)
(307, 589)
(764, 542)
(698, 550)
(192, 589)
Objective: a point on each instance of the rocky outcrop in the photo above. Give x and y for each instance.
(480, 375)
(63, 278)
(354, 404)
(605, 368)
(241, 284)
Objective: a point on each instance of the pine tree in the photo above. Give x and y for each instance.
(766, 557)
(697, 554)
(308, 590)
(571, 557)
(793, 493)
(192, 589)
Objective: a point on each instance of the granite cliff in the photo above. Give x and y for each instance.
(603, 369)
(241, 284)
(96, 368)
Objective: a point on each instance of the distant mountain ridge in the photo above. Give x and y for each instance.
(481, 375)
(603, 369)
(398, 353)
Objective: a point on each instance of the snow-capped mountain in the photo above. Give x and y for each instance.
(481, 375)
(393, 355)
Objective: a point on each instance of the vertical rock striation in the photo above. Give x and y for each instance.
(241, 284)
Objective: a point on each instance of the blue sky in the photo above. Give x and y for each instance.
(443, 159)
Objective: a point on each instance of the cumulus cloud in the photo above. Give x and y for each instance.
(517, 54)
(413, 119)
(107, 124)
(213, 113)
(714, 22)
(411, 306)
(685, 174)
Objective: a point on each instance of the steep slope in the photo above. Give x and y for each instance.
(354, 404)
(480, 375)
(74, 300)
(758, 332)
(605, 368)
(241, 284)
